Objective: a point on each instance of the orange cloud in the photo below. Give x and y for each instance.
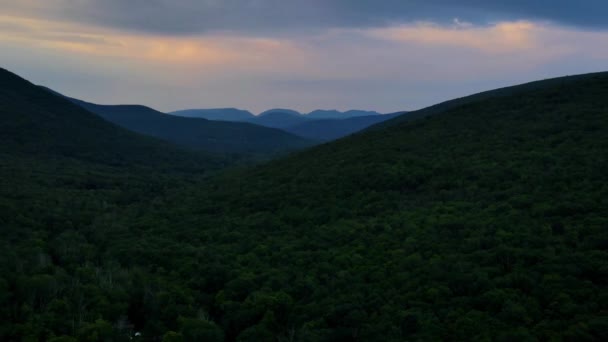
(402, 61)
(186, 51)
(497, 39)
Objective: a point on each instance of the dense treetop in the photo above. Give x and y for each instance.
(482, 219)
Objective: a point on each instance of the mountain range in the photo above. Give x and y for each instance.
(198, 133)
(234, 114)
(237, 131)
(482, 218)
(218, 114)
(334, 114)
(318, 125)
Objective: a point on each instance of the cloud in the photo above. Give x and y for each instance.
(186, 17)
(388, 68)
(501, 38)
(23, 29)
(182, 52)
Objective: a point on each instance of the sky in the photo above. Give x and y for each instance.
(384, 55)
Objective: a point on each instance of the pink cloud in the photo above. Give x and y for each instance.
(398, 67)
(504, 37)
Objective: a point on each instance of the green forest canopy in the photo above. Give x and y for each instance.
(483, 221)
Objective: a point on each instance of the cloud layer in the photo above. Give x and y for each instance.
(328, 54)
(204, 16)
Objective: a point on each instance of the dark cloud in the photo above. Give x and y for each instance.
(199, 16)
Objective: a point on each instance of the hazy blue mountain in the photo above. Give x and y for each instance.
(280, 110)
(208, 135)
(218, 114)
(334, 114)
(279, 119)
(290, 120)
(326, 130)
(356, 112)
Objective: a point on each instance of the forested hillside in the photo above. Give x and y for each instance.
(35, 123)
(65, 174)
(484, 221)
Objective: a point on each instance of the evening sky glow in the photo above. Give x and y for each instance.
(386, 56)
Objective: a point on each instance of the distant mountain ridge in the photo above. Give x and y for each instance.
(335, 114)
(278, 119)
(234, 114)
(320, 124)
(332, 129)
(198, 133)
(279, 110)
(218, 114)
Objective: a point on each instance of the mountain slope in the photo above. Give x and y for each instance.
(36, 123)
(69, 176)
(279, 118)
(218, 114)
(484, 221)
(214, 136)
(318, 125)
(334, 114)
(332, 129)
(525, 89)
